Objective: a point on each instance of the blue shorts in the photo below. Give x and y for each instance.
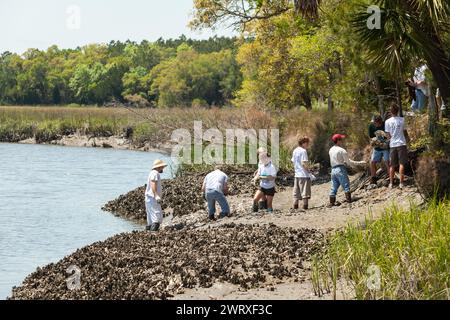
(377, 155)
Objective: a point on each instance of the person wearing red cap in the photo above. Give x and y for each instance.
(339, 177)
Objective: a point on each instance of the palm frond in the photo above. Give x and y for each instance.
(308, 8)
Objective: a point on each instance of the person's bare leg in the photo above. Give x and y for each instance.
(387, 164)
(269, 202)
(402, 173)
(373, 169)
(258, 196)
(391, 175)
(263, 202)
(373, 172)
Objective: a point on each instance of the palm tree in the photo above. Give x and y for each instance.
(208, 13)
(409, 29)
(308, 8)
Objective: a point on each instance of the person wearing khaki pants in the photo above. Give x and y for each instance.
(302, 182)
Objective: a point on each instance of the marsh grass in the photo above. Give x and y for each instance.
(155, 126)
(410, 248)
(49, 123)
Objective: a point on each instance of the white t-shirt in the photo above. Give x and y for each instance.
(395, 126)
(419, 75)
(339, 157)
(215, 180)
(154, 176)
(298, 157)
(268, 170)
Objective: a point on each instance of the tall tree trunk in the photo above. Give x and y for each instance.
(442, 79)
(380, 97)
(439, 64)
(307, 95)
(330, 81)
(433, 112)
(330, 103)
(398, 94)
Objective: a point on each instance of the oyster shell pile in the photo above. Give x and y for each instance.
(141, 265)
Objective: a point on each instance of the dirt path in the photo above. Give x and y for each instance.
(317, 217)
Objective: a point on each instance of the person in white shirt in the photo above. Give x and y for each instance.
(339, 176)
(263, 157)
(266, 174)
(153, 194)
(395, 129)
(421, 88)
(215, 188)
(302, 180)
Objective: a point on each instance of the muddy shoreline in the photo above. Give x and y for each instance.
(247, 256)
(112, 142)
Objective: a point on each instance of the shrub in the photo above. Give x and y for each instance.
(142, 133)
(408, 247)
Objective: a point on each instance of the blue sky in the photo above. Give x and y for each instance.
(41, 23)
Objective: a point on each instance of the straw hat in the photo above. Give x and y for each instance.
(262, 150)
(263, 156)
(158, 164)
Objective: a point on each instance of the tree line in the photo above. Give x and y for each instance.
(174, 72)
(352, 53)
(291, 54)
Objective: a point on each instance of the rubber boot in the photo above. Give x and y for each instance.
(263, 205)
(332, 202)
(223, 215)
(154, 227)
(348, 197)
(305, 204)
(255, 207)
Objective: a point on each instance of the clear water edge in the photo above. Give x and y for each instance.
(51, 199)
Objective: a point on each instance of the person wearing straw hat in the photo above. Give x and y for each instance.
(153, 194)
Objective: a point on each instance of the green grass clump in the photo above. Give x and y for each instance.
(143, 132)
(410, 248)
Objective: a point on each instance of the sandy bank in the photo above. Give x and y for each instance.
(113, 142)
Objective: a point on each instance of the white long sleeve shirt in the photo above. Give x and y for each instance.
(339, 157)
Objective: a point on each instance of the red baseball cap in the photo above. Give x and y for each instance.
(337, 137)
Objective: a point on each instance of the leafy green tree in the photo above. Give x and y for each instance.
(409, 29)
(10, 67)
(136, 81)
(190, 75)
(240, 13)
